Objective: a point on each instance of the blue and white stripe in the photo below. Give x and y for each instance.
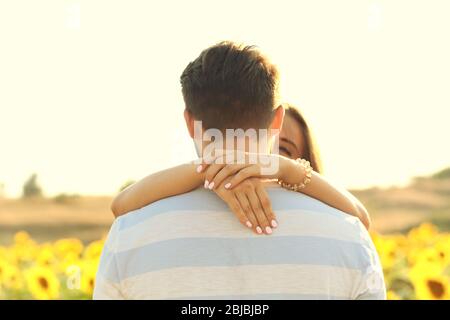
(190, 246)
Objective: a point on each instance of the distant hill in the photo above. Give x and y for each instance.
(398, 209)
(442, 175)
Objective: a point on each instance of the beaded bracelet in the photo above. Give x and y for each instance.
(308, 174)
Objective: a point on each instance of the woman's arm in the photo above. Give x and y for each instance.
(290, 171)
(157, 186)
(322, 189)
(163, 184)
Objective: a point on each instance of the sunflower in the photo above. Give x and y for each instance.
(423, 234)
(432, 288)
(94, 250)
(63, 247)
(429, 282)
(443, 251)
(23, 252)
(413, 255)
(69, 260)
(423, 269)
(12, 279)
(45, 256)
(387, 249)
(42, 283)
(22, 238)
(89, 270)
(430, 255)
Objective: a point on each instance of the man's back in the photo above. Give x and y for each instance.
(192, 247)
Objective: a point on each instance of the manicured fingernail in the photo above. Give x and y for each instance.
(274, 223)
(199, 168)
(268, 230)
(211, 185)
(258, 230)
(228, 185)
(249, 224)
(206, 184)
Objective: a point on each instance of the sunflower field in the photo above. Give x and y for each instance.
(416, 266)
(64, 269)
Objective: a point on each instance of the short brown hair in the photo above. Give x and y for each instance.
(231, 86)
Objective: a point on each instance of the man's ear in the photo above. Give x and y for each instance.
(189, 122)
(277, 121)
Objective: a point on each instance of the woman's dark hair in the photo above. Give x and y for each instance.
(310, 150)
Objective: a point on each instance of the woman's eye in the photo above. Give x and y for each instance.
(286, 151)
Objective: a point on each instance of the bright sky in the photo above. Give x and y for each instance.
(90, 96)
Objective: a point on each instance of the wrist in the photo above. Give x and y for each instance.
(195, 167)
(295, 172)
(290, 171)
(301, 171)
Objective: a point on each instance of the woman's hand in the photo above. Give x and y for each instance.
(246, 165)
(236, 178)
(250, 203)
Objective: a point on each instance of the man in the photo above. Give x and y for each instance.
(191, 246)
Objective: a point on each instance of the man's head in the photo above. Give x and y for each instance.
(231, 86)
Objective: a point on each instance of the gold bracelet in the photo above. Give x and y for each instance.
(308, 175)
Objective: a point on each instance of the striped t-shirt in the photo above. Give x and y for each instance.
(192, 247)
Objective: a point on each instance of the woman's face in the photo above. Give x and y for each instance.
(291, 138)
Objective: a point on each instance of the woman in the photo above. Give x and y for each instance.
(241, 186)
(296, 139)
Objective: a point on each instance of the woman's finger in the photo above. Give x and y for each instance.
(258, 210)
(247, 208)
(266, 205)
(253, 170)
(227, 171)
(234, 205)
(206, 161)
(211, 172)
